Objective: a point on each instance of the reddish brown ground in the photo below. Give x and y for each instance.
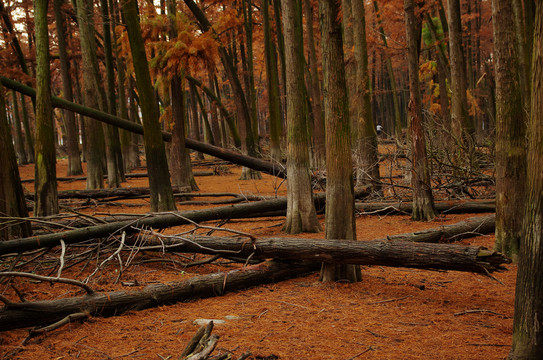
(393, 313)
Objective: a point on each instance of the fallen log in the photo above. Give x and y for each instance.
(40, 313)
(128, 176)
(382, 252)
(109, 193)
(155, 221)
(268, 167)
(444, 207)
(471, 227)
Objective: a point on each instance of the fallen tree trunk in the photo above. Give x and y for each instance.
(128, 176)
(446, 207)
(38, 313)
(471, 227)
(109, 193)
(268, 167)
(155, 221)
(375, 252)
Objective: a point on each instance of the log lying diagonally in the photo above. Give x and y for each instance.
(444, 207)
(21, 315)
(268, 167)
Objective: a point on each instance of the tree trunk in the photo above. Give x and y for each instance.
(115, 166)
(180, 167)
(29, 134)
(392, 78)
(319, 149)
(423, 202)
(12, 201)
(118, 302)
(159, 176)
(19, 140)
(340, 221)
(384, 252)
(527, 334)
(350, 63)
(510, 132)
(301, 214)
(367, 172)
(45, 171)
(94, 134)
(461, 127)
(72, 135)
(272, 77)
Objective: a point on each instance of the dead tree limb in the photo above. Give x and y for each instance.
(43, 313)
(448, 207)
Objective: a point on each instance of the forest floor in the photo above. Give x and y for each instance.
(394, 313)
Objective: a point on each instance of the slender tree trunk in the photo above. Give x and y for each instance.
(368, 162)
(94, 135)
(46, 202)
(340, 221)
(510, 132)
(29, 134)
(281, 51)
(527, 334)
(159, 177)
(19, 140)
(72, 144)
(115, 168)
(392, 78)
(423, 202)
(180, 167)
(301, 214)
(460, 122)
(350, 63)
(272, 77)
(12, 200)
(319, 149)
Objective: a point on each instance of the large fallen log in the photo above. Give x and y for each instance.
(109, 193)
(155, 221)
(268, 167)
(375, 252)
(37, 313)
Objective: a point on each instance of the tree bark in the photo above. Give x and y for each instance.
(340, 220)
(94, 134)
(527, 334)
(319, 148)
(12, 201)
(118, 302)
(510, 132)
(367, 172)
(384, 252)
(19, 139)
(423, 202)
(301, 214)
(272, 77)
(155, 152)
(45, 171)
(72, 135)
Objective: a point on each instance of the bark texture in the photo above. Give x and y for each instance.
(12, 201)
(367, 172)
(423, 202)
(510, 132)
(527, 332)
(301, 214)
(46, 202)
(340, 221)
(155, 152)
